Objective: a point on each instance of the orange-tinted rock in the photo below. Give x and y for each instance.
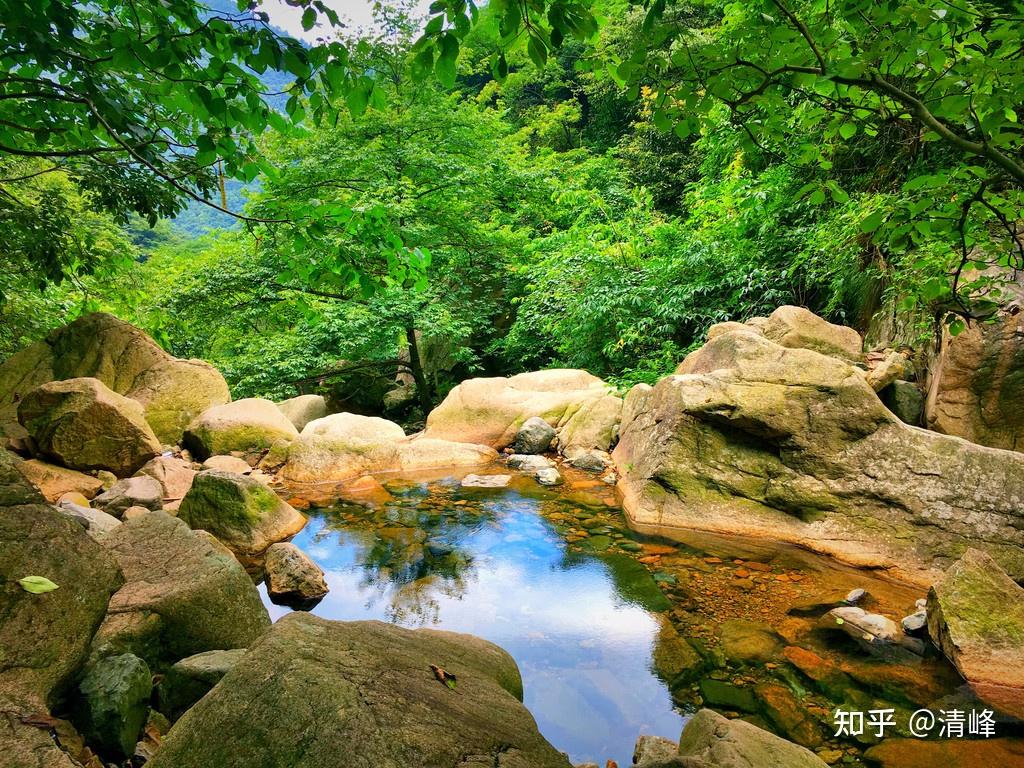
(947, 753)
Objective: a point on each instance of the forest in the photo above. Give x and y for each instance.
(504, 188)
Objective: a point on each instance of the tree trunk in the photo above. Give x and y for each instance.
(422, 385)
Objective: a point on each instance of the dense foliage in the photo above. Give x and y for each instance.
(520, 185)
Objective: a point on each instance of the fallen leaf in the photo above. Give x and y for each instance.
(443, 677)
(37, 585)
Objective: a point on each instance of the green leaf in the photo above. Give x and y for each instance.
(848, 130)
(872, 222)
(308, 19)
(538, 51)
(956, 327)
(37, 585)
(446, 62)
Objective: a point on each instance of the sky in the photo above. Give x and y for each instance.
(357, 13)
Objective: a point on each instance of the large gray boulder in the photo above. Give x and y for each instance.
(171, 391)
(252, 424)
(757, 439)
(976, 618)
(534, 436)
(184, 594)
(245, 515)
(303, 409)
(313, 693)
(726, 743)
(84, 425)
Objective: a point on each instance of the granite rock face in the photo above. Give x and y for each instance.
(313, 693)
(758, 439)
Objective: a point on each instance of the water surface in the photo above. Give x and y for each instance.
(580, 626)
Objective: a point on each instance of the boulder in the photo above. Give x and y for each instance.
(976, 618)
(188, 680)
(345, 445)
(653, 750)
(53, 481)
(184, 594)
(580, 407)
(799, 328)
(126, 360)
(174, 475)
(45, 637)
(756, 439)
(375, 701)
(947, 753)
(303, 409)
(240, 511)
(252, 424)
(96, 523)
(292, 578)
(174, 392)
(905, 400)
(590, 461)
(673, 658)
(788, 715)
(112, 702)
(84, 425)
(228, 464)
(893, 366)
(976, 384)
(534, 436)
(737, 744)
(142, 491)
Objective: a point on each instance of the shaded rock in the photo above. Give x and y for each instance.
(976, 384)
(799, 328)
(292, 578)
(240, 511)
(735, 744)
(877, 634)
(756, 439)
(142, 491)
(828, 677)
(916, 624)
(44, 638)
(174, 575)
(590, 461)
(528, 463)
(84, 425)
(786, 712)
(126, 360)
(486, 481)
(548, 476)
(252, 424)
(727, 696)
(112, 703)
(188, 680)
(490, 411)
(947, 753)
(534, 436)
(96, 522)
(228, 464)
(906, 401)
(303, 409)
(54, 482)
(976, 618)
(855, 596)
(174, 475)
(749, 641)
(375, 693)
(651, 750)
(344, 445)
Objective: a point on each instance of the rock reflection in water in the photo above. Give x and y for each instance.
(581, 627)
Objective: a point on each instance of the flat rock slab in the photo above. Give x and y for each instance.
(313, 693)
(486, 481)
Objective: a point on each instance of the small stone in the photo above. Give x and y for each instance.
(548, 476)
(534, 436)
(915, 624)
(141, 491)
(228, 464)
(592, 461)
(854, 596)
(133, 512)
(73, 497)
(528, 463)
(611, 478)
(292, 578)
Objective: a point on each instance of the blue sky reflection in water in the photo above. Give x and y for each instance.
(501, 571)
